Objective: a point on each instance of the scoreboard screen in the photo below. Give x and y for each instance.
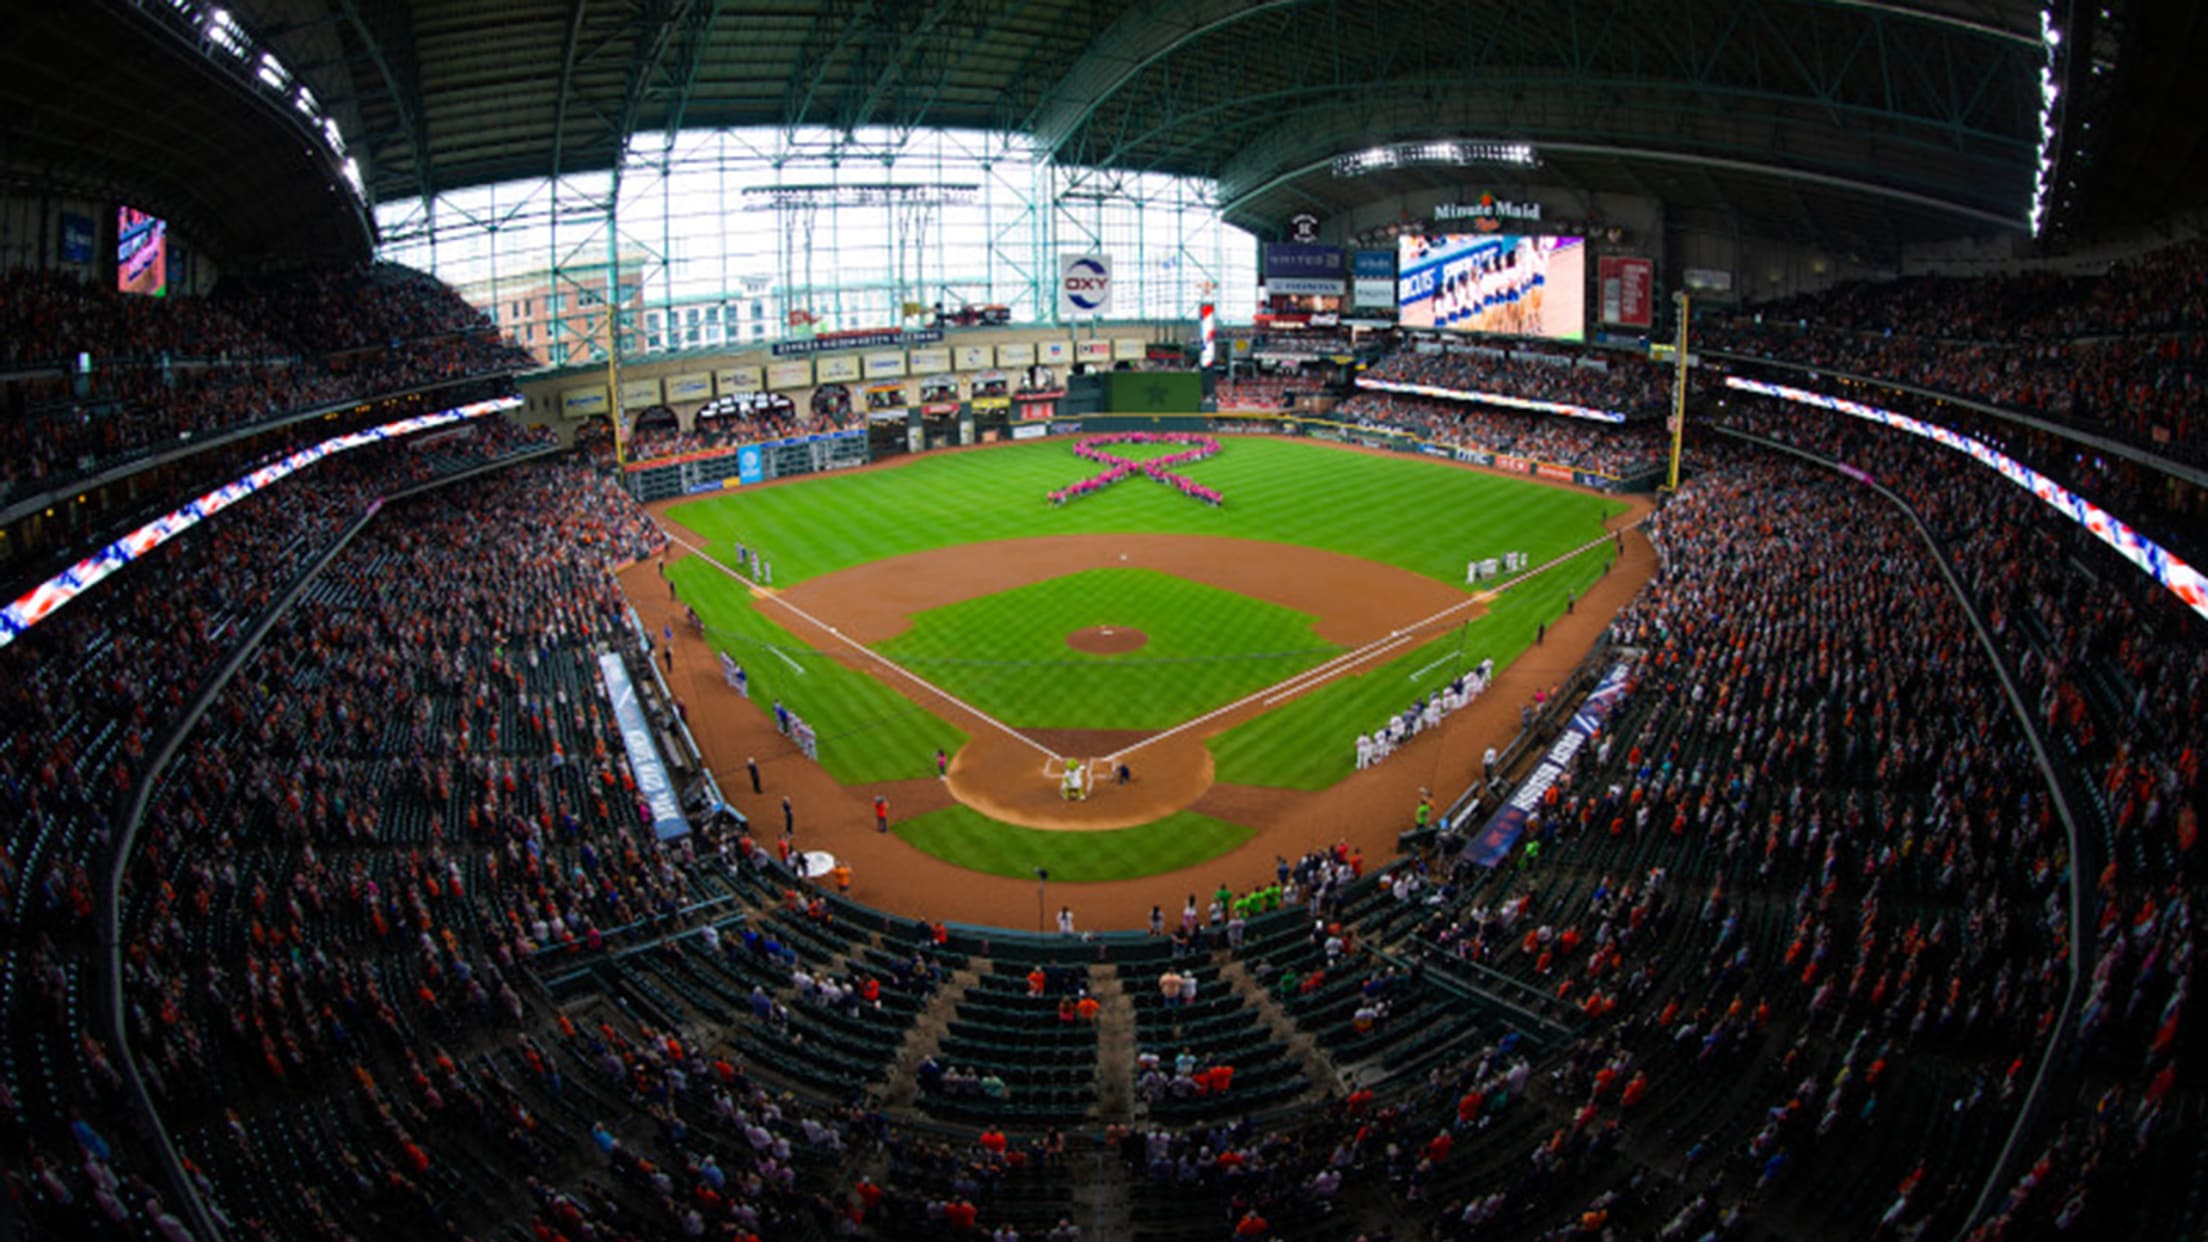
(1494, 282)
(141, 253)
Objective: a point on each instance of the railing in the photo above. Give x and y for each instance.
(180, 1184)
(2060, 784)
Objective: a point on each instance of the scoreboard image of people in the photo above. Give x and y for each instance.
(1494, 282)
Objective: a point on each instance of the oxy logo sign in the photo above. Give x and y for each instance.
(1084, 285)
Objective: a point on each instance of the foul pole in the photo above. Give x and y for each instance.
(1678, 388)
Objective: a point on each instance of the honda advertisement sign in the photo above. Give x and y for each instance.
(1084, 286)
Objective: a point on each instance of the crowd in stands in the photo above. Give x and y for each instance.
(1619, 383)
(166, 370)
(1776, 956)
(2124, 353)
(1265, 392)
(87, 695)
(1603, 448)
(729, 431)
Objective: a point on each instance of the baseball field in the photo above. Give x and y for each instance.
(1228, 656)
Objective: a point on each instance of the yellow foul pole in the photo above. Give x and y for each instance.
(1678, 389)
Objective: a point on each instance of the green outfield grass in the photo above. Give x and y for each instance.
(1311, 743)
(1424, 515)
(867, 731)
(1006, 653)
(969, 839)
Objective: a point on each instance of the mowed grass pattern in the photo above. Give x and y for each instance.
(1426, 516)
(867, 731)
(1312, 742)
(969, 839)
(1006, 653)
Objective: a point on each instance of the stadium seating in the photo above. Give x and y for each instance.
(398, 959)
(164, 372)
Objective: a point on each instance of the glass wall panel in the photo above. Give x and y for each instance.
(713, 238)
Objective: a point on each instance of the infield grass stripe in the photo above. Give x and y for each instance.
(964, 837)
(1006, 653)
(867, 731)
(1311, 743)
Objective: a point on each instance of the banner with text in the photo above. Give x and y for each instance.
(1625, 290)
(652, 783)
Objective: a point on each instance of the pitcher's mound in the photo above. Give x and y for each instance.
(1107, 640)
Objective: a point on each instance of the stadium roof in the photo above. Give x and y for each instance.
(1852, 125)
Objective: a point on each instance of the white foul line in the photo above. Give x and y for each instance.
(862, 648)
(1431, 667)
(1281, 690)
(1311, 677)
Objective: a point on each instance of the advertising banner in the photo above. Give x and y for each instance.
(794, 374)
(76, 238)
(1707, 280)
(695, 386)
(867, 338)
(1015, 355)
(652, 783)
(1506, 400)
(1093, 351)
(836, 370)
(1131, 351)
(883, 366)
(40, 602)
(974, 358)
(1625, 290)
(930, 361)
(2151, 558)
(730, 381)
(1295, 260)
(636, 394)
(1304, 285)
(583, 402)
(1052, 353)
(1501, 832)
(1084, 286)
(1374, 286)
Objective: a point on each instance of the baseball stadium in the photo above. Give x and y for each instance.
(976, 621)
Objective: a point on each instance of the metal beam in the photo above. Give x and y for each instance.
(567, 75)
(685, 75)
(1141, 37)
(1780, 172)
(405, 93)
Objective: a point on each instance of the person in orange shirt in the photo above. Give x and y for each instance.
(1089, 1008)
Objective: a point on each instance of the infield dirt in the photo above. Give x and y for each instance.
(1356, 603)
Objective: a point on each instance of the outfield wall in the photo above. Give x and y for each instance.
(1231, 423)
(714, 469)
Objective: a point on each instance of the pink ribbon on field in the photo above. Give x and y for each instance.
(1093, 448)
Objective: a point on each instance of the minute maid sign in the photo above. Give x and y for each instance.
(1084, 286)
(751, 466)
(1488, 208)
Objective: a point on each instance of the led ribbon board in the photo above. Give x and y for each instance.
(1492, 398)
(2154, 560)
(41, 601)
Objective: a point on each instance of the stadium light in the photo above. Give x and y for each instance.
(2050, 130)
(1452, 152)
